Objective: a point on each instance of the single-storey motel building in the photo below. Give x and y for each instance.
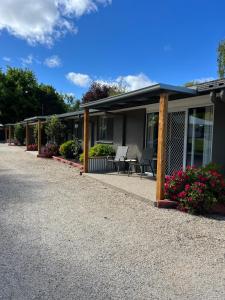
(174, 126)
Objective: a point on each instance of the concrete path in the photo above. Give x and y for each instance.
(142, 187)
(65, 236)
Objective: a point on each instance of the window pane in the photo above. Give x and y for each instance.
(199, 142)
(152, 133)
(105, 129)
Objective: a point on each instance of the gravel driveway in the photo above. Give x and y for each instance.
(65, 236)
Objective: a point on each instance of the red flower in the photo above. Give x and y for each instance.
(180, 174)
(166, 186)
(202, 178)
(182, 195)
(168, 178)
(187, 187)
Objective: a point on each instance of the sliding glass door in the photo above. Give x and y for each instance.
(188, 143)
(199, 136)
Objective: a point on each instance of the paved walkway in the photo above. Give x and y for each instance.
(65, 236)
(142, 187)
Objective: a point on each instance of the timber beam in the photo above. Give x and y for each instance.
(161, 155)
(86, 139)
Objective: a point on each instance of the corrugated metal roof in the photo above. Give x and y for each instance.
(36, 118)
(211, 85)
(144, 96)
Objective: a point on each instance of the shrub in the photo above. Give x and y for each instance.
(99, 150)
(19, 133)
(82, 157)
(54, 130)
(70, 149)
(196, 189)
(50, 150)
(32, 147)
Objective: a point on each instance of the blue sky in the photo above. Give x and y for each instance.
(68, 43)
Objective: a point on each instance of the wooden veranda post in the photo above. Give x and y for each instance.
(10, 134)
(161, 155)
(27, 136)
(86, 139)
(39, 137)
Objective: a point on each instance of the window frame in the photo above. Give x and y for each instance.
(109, 135)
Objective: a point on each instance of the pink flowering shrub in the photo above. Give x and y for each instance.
(50, 150)
(32, 147)
(196, 189)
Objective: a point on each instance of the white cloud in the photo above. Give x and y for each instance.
(27, 60)
(43, 21)
(129, 82)
(53, 61)
(6, 58)
(70, 94)
(135, 82)
(80, 7)
(82, 80)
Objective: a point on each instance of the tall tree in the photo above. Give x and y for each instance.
(99, 91)
(221, 59)
(50, 102)
(54, 130)
(72, 103)
(17, 95)
(21, 96)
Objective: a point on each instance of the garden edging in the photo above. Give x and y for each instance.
(68, 162)
(218, 208)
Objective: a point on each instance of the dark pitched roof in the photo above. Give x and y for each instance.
(211, 85)
(77, 113)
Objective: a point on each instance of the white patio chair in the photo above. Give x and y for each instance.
(119, 159)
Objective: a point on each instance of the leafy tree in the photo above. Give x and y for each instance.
(50, 102)
(54, 130)
(72, 103)
(17, 95)
(221, 59)
(99, 91)
(19, 133)
(21, 96)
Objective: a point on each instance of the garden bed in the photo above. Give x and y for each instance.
(69, 162)
(218, 208)
(195, 190)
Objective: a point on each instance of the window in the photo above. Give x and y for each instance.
(199, 137)
(105, 129)
(152, 133)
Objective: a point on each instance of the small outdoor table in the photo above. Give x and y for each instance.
(131, 163)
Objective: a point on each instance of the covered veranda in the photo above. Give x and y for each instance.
(159, 93)
(39, 121)
(35, 121)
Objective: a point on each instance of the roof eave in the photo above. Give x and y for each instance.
(160, 87)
